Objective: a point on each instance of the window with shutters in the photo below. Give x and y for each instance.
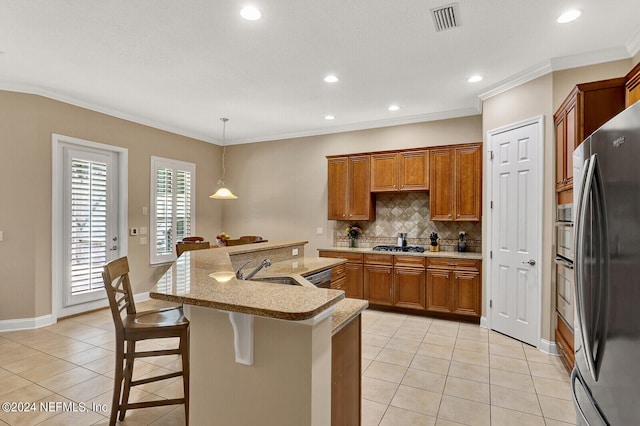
(172, 206)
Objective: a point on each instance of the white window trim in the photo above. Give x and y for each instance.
(57, 218)
(176, 165)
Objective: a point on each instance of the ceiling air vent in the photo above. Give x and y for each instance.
(445, 17)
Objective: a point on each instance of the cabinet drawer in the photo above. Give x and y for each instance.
(351, 257)
(451, 263)
(410, 261)
(338, 272)
(339, 284)
(378, 259)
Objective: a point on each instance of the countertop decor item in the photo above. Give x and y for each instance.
(433, 246)
(462, 241)
(223, 193)
(222, 239)
(353, 232)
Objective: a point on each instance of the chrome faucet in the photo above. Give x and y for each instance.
(264, 264)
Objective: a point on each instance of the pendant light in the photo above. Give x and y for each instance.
(223, 193)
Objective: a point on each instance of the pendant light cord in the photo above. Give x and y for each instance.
(224, 147)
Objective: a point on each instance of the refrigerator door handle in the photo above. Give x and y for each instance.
(602, 313)
(580, 226)
(575, 378)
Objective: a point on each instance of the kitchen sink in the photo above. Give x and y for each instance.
(277, 280)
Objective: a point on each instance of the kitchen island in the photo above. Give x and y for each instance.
(261, 353)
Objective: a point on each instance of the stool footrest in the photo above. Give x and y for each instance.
(156, 378)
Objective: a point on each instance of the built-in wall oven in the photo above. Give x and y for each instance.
(564, 261)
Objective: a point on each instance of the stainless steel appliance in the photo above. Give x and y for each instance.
(606, 378)
(564, 263)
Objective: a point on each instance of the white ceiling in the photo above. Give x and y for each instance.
(181, 65)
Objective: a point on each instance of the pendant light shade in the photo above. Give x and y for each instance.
(223, 193)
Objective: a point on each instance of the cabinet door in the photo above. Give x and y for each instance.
(414, 170)
(441, 170)
(466, 294)
(468, 183)
(360, 204)
(572, 142)
(377, 284)
(438, 290)
(409, 288)
(354, 284)
(338, 175)
(384, 172)
(561, 151)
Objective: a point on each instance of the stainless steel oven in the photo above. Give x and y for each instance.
(564, 290)
(564, 263)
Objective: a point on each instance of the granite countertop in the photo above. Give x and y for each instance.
(206, 278)
(427, 253)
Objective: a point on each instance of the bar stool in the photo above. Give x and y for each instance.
(135, 326)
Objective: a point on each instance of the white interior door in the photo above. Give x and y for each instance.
(515, 237)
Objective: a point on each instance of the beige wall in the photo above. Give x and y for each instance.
(636, 59)
(282, 185)
(26, 125)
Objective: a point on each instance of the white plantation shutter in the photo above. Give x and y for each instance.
(173, 206)
(88, 224)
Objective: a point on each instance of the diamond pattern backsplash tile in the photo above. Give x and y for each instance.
(408, 212)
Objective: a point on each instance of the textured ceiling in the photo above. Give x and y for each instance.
(181, 65)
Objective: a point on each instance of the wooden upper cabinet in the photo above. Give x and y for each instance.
(384, 172)
(413, 170)
(400, 171)
(468, 183)
(338, 181)
(586, 108)
(441, 167)
(456, 183)
(349, 192)
(632, 86)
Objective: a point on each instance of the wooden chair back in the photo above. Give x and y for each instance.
(116, 282)
(187, 246)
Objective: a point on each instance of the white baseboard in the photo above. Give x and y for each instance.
(548, 347)
(484, 322)
(26, 323)
(50, 319)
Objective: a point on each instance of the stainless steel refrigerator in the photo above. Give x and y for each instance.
(605, 382)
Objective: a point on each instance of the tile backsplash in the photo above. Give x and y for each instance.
(408, 212)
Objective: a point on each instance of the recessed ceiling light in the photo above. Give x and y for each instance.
(329, 117)
(569, 16)
(331, 78)
(250, 13)
(474, 78)
(393, 108)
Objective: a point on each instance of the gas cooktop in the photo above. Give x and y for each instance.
(411, 249)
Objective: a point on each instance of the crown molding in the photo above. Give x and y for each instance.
(633, 45)
(516, 80)
(589, 58)
(465, 112)
(41, 91)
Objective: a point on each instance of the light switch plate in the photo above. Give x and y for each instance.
(319, 231)
(145, 211)
(1, 235)
(294, 252)
(133, 232)
(143, 230)
(143, 241)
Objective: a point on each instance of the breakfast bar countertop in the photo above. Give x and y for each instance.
(206, 278)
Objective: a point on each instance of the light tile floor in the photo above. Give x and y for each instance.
(416, 371)
(424, 371)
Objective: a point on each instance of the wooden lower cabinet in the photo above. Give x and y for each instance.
(454, 286)
(409, 288)
(345, 375)
(446, 285)
(438, 291)
(564, 342)
(353, 273)
(378, 284)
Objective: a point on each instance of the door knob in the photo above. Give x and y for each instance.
(531, 262)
